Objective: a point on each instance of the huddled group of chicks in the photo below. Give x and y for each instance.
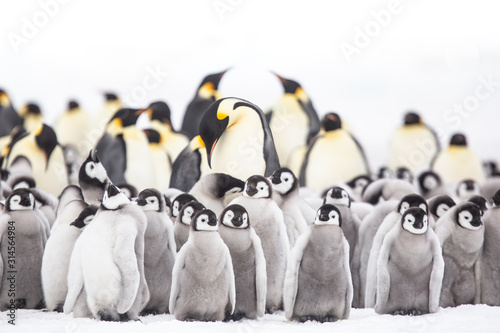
(240, 213)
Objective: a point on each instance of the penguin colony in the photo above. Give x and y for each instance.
(237, 215)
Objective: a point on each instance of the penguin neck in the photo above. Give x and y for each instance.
(413, 243)
(205, 240)
(469, 241)
(237, 240)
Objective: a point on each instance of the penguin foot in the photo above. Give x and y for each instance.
(20, 303)
(59, 308)
(303, 319)
(327, 319)
(407, 313)
(148, 312)
(238, 316)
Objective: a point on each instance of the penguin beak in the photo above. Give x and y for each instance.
(212, 222)
(141, 202)
(419, 224)
(26, 202)
(78, 224)
(93, 156)
(251, 191)
(336, 193)
(212, 126)
(113, 190)
(275, 180)
(237, 221)
(476, 222)
(323, 217)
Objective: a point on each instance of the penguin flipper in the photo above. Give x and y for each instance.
(312, 116)
(176, 272)
(350, 290)
(383, 276)
(292, 273)
(186, 170)
(437, 273)
(362, 151)
(75, 278)
(261, 275)
(229, 271)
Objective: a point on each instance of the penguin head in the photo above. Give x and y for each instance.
(257, 187)
(30, 109)
(412, 118)
(151, 200)
(468, 216)
(458, 140)
(4, 99)
(384, 173)
(441, 204)
(123, 118)
(92, 171)
(496, 199)
(73, 106)
(159, 111)
(428, 181)
(467, 188)
(404, 173)
(129, 190)
(189, 210)
(179, 202)
(209, 85)
(222, 114)
(110, 97)
(284, 181)
(153, 136)
(490, 168)
(359, 183)
(205, 220)
(415, 221)
(219, 185)
(290, 86)
(20, 199)
(331, 122)
(412, 200)
(114, 198)
(480, 201)
(328, 214)
(46, 140)
(235, 216)
(85, 217)
(23, 182)
(337, 196)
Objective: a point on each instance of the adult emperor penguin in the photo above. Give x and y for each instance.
(206, 94)
(9, 118)
(71, 222)
(159, 250)
(93, 179)
(458, 162)
(410, 267)
(286, 194)
(72, 127)
(439, 205)
(111, 105)
(490, 257)
(22, 226)
(161, 161)
(107, 263)
(211, 190)
(313, 289)
(32, 117)
(183, 222)
(293, 120)
(124, 152)
(267, 220)
(238, 139)
(414, 145)
(249, 263)
(159, 120)
(46, 157)
(461, 234)
(190, 165)
(203, 286)
(334, 155)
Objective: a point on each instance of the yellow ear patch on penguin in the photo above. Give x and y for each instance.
(39, 130)
(197, 143)
(301, 94)
(221, 114)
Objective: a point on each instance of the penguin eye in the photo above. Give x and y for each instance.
(92, 166)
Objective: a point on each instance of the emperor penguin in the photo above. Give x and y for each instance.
(238, 139)
(267, 220)
(386, 189)
(439, 205)
(458, 162)
(286, 194)
(405, 174)
(70, 193)
(46, 158)
(249, 263)
(9, 118)
(190, 165)
(466, 189)
(489, 187)
(159, 120)
(388, 223)
(211, 190)
(203, 287)
(72, 128)
(111, 105)
(414, 145)
(334, 155)
(32, 117)
(313, 289)
(206, 94)
(159, 250)
(183, 222)
(161, 161)
(22, 227)
(461, 235)
(93, 179)
(55, 264)
(358, 184)
(124, 153)
(430, 184)
(293, 120)
(410, 267)
(107, 263)
(179, 202)
(490, 257)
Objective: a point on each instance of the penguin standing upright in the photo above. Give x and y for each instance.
(32, 116)
(203, 286)
(458, 162)
(161, 160)
(238, 139)
(206, 94)
(93, 179)
(190, 165)
(22, 228)
(159, 250)
(9, 118)
(430, 184)
(439, 205)
(318, 282)
(71, 129)
(408, 140)
(334, 155)
(107, 263)
(111, 104)
(293, 120)
(183, 222)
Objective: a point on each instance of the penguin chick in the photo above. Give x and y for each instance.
(248, 260)
(358, 184)
(430, 184)
(439, 205)
(179, 202)
(466, 189)
(183, 222)
(93, 179)
(315, 290)
(203, 287)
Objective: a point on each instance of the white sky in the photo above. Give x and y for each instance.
(428, 58)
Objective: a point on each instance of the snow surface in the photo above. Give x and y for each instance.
(465, 318)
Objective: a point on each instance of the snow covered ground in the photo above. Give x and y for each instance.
(465, 318)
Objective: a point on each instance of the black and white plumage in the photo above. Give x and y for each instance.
(9, 118)
(183, 222)
(179, 202)
(439, 205)
(93, 179)
(190, 165)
